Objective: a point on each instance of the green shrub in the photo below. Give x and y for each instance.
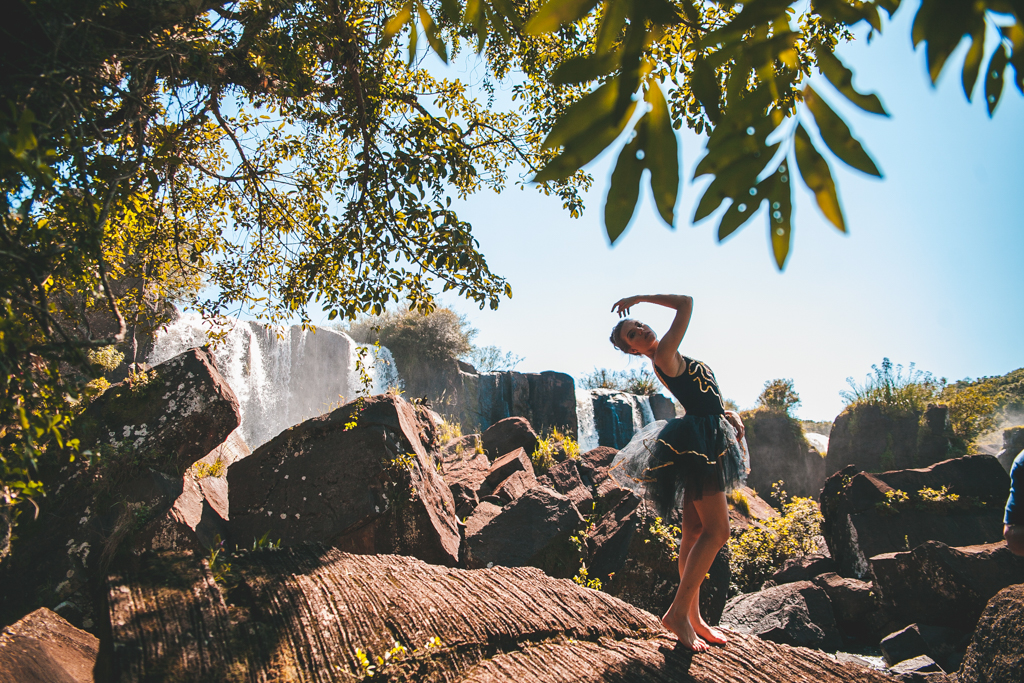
(779, 396)
(895, 393)
(760, 551)
(642, 382)
(492, 359)
(739, 500)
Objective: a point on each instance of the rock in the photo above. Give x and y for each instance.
(778, 450)
(505, 466)
(803, 568)
(117, 503)
(481, 517)
(608, 543)
(300, 612)
(565, 478)
(507, 435)
(1013, 444)
(663, 408)
(746, 507)
(531, 531)
(903, 645)
(514, 486)
(942, 585)
(464, 468)
(863, 515)
(43, 648)
(854, 605)
(368, 489)
(546, 400)
(601, 456)
(996, 652)
(918, 665)
(795, 613)
(865, 436)
(613, 416)
(215, 487)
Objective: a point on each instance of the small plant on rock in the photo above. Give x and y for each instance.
(739, 500)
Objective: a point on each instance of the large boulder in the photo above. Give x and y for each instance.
(855, 607)
(371, 488)
(996, 652)
(464, 467)
(308, 612)
(534, 530)
(507, 435)
(958, 502)
(795, 613)
(938, 584)
(874, 440)
(664, 408)
(43, 648)
(110, 506)
(778, 450)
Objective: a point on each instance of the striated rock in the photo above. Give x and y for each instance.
(43, 648)
(866, 436)
(795, 613)
(531, 531)
(996, 652)
(117, 503)
(565, 478)
(803, 568)
(778, 450)
(514, 486)
(938, 584)
(601, 456)
(864, 515)
(368, 489)
(298, 613)
(508, 435)
(507, 465)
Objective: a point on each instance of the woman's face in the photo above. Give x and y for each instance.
(640, 338)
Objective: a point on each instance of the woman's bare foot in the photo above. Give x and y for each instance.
(684, 632)
(710, 633)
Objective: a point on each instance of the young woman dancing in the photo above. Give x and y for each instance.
(690, 461)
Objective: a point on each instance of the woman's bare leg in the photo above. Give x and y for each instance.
(683, 616)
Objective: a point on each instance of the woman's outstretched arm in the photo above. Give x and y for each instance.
(667, 356)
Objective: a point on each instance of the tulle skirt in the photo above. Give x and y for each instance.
(697, 454)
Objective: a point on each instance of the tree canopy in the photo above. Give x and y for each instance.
(270, 157)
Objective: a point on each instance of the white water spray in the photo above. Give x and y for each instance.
(588, 438)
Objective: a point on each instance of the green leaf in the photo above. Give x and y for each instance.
(584, 69)
(508, 10)
(734, 182)
(753, 14)
(557, 13)
(841, 79)
(994, 77)
(662, 154)
(777, 189)
(584, 147)
(610, 30)
(738, 213)
(817, 176)
(661, 12)
(582, 114)
(452, 9)
(836, 135)
(972, 62)
(395, 23)
(620, 204)
(433, 35)
(705, 86)
(726, 153)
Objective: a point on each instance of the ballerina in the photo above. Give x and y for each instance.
(689, 462)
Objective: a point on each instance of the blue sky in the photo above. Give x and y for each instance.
(929, 273)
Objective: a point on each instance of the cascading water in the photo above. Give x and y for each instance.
(642, 413)
(281, 376)
(588, 438)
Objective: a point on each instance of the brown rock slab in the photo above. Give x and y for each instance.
(938, 584)
(795, 613)
(300, 612)
(503, 468)
(996, 652)
(854, 605)
(505, 436)
(368, 489)
(43, 648)
(565, 478)
(514, 486)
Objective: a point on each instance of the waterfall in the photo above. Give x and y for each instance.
(585, 419)
(642, 413)
(281, 376)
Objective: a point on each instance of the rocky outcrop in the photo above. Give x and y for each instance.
(1013, 444)
(778, 450)
(797, 613)
(616, 416)
(505, 436)
(958, 502)
(546, 399)
(297, 613)
(937, 584)
(464, 468)
(371, 488)
(144, 436)
(855, 607)
(746, 508)
(996, 652)
(942, 645)
(43, 648)
(803, 568)
(875, 441)
(664, 408)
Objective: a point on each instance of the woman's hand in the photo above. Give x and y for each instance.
(622, 306)
(737, 423)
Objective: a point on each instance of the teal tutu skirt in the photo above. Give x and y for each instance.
(694, 454)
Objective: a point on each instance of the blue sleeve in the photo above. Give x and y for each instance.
(1015, 504)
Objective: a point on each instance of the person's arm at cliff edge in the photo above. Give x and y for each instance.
(1013, 520)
